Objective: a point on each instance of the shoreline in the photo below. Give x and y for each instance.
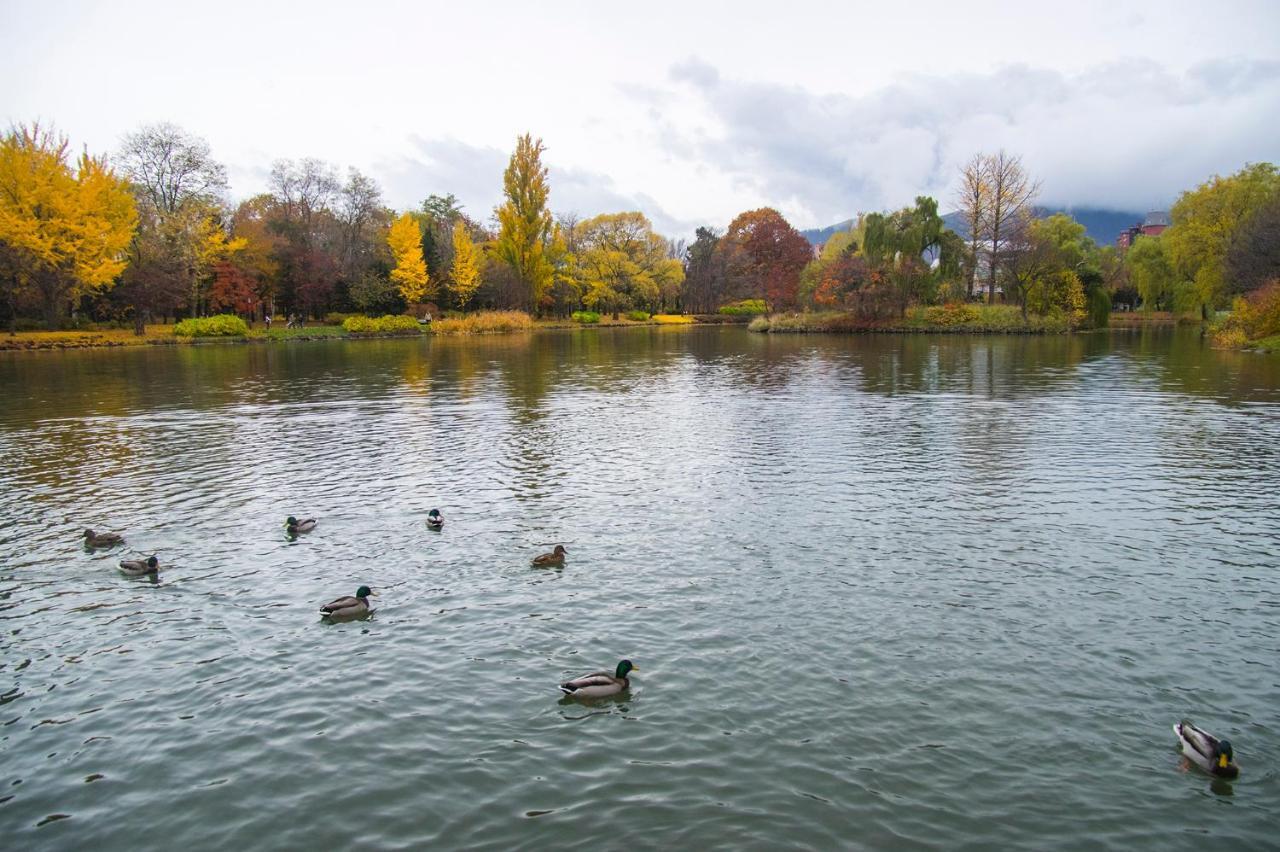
(162, 335)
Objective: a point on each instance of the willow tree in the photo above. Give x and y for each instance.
(525, 221)
(63, 230)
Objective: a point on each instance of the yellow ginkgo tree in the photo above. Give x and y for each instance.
(63, 230)
(465, 272)
(410, 272)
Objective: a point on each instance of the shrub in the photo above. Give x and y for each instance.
(747, 307)
(335, 318)
(221, 325)
(760, 323)
(951, 314)
(638, 316)
(484, 322)
(388, 324)
(672, 319)
(586, 317)
(1253, 317)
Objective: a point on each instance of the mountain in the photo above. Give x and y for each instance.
(1102, 225)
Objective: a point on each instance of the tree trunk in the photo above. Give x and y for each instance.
(139, 323)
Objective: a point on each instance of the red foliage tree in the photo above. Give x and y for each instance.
(232, 289)
(766, 255)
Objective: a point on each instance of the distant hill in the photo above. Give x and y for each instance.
(1102, 225)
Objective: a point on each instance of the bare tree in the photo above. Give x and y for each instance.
(181, 195)
(973, 200)
(170, 168)
(1011, 196)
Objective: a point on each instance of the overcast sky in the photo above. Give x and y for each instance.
(689, 114)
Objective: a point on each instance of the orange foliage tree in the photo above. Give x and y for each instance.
(766, 256)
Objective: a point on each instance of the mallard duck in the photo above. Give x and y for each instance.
(138, 567)
(600, 684)
(555, 557)
(349, 606)
(93, 539)
(293, 526)
(1211, 754)
(435, 520)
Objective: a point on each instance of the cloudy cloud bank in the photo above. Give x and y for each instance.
(1124, 136)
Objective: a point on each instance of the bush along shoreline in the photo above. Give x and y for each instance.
(937, 319)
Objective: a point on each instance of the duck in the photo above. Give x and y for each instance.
(1211, 754)
(294, 526)
(555, 557)
(435, 520)
(139, 567)
(93, 539)
(600, 684)
(349, 606)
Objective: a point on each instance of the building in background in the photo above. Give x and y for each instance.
(1153, 225)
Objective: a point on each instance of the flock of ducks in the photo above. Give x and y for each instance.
(1210, 753)
(595, 685)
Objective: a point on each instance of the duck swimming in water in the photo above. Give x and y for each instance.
(548, 560)
(140, 567)
(293, 526)
(93, 539)
(1211, 754)
(349, 606)
(600, 684)
(435, 520)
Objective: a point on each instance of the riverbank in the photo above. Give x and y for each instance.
(941, 319)
(504, 322)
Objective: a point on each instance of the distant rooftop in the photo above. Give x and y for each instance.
(1157, 217)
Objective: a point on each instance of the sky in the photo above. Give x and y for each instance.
(691, 113)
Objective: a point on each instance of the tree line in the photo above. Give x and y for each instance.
(152, 234)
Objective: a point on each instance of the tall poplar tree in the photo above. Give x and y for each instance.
(525, 222)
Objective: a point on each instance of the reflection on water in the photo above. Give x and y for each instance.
(883, 591)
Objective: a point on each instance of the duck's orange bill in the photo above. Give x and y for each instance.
(1222, 761)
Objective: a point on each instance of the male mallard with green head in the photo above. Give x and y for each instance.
(1211, 754)
(548, 560)
(349, 606)
(600, 684)
(293, 526)
(93, 539)
(435, 520)
(139, 567)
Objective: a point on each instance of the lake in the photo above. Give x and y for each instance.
(882, 591)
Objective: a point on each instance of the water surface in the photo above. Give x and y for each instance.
(883, 591)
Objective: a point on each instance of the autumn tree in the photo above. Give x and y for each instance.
(766, 256)
(974, 201)
(524, 220)
(1011, 193)
(1204, 223)
(179, 188)
(1151, 273)
(410, 272)
(464, 276)
(1253, 258)
(624, 264)
(303, 195)
(63, 229)
(1043, 259)
(704, 272)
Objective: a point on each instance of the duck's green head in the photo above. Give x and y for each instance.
(152, 562)
(291, 521)
(1225, 754)
(434, 513)
(364, 592)
(625, 668)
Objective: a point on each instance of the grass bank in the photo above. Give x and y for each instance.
(481, 322)
(940, 319)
